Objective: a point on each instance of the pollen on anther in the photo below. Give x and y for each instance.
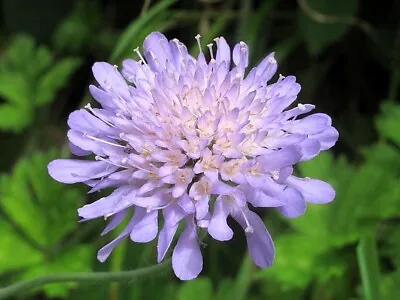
(249, 229)
(302, 107)
(211, 51)
(139, 54)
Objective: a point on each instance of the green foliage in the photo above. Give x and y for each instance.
(365, 195)
(388, 121)
(38, 217)
(316, 254)
(327, 25)
(199, 289)
(29, 78)
(158, 18)
(78, 31)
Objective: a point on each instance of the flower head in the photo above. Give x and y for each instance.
(194, 141)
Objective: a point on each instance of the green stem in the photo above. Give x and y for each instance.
(82, 277)
(244, 279)
(369, 267)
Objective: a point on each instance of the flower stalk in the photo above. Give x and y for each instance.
(367, 256)
(85, 277)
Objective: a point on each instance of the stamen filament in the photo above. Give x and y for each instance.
(140, 55)
(103, 141)
(89, 108)
(197, 37)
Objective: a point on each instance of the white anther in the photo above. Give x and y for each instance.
(249, 229)
(202, 225)
(89, 108)
(211, 51)
(275, 175)
(272, 60)
(97, 157)
(197, 37)
(302, 107)
(139, 54)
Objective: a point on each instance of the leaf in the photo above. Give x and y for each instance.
(15, 252)
(244, 279)
(255, 27)
(77, 31)
(226, 290)
(330, 29)
(39, 214)
(23, 57)
(73, 261)
(29, 78)
(295, 260)
(55, 79)
(14, 87)
(368, 264)
(19, 52)
(387, 123)
(215, 29)
(389, 286)
(15, 118)
(197, 289)
(365, 194)
(128, 39)
(15, 113)
(285, 47)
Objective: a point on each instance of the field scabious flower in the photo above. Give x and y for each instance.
(194, 142)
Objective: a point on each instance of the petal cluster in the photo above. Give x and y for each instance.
(192, 141)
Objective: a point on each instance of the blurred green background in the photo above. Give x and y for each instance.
(346, 56)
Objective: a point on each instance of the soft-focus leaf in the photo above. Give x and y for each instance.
(20, 51)
(387, 123)
(15, 252)
(41, 213)
(16, 113)
(73, 261)
(244, 279)
(389, 286)
(54, 79)
(29, 78)
(128, 39)
(295, 262)
(197, 289)
(15, 88)
(216, 27)
(226, 290)
(14, 118)
(319, 35)
(77, 32)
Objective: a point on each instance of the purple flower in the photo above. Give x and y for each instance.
(194, 142)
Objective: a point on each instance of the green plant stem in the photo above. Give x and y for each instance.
(369, 267)
(83, 277)
(244, 279)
